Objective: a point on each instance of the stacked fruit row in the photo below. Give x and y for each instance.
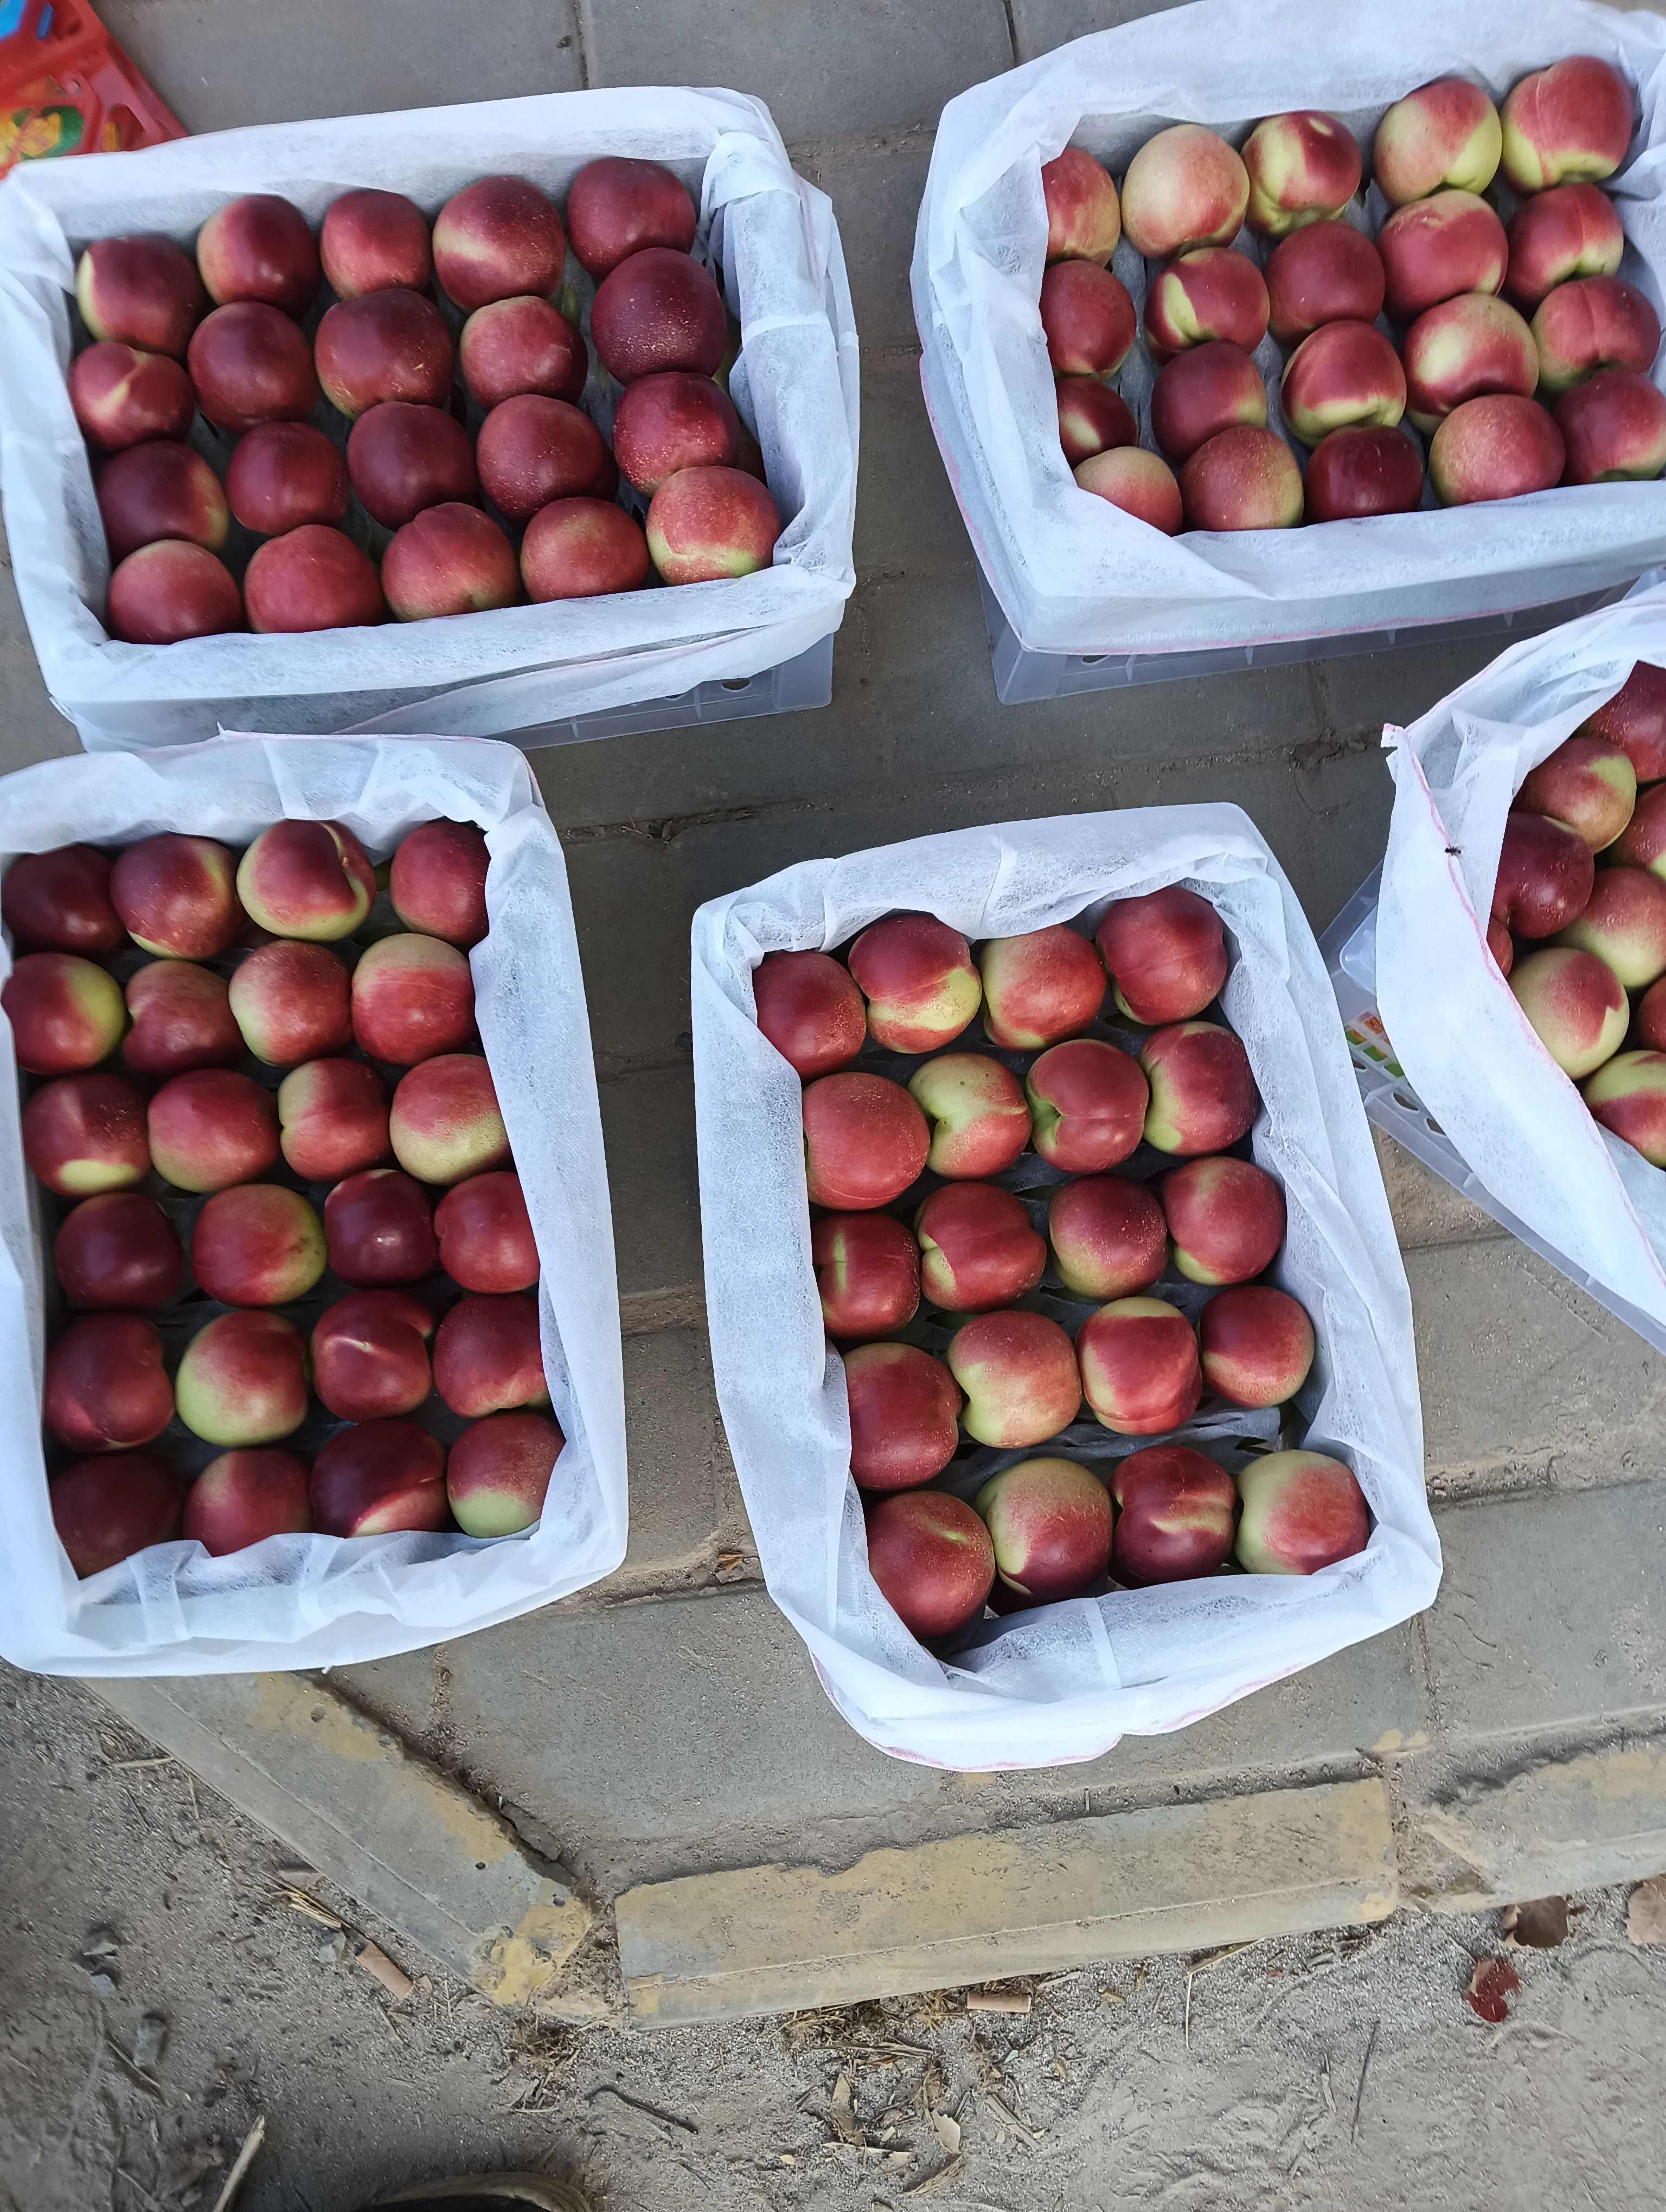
(223, 333)
(147, 1123)
(1011, 1377)
(1469, 370)
(1583, 864)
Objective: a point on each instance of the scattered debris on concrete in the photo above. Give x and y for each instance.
(1646, 1912)
(381, 1968)
(1001, 1997)
(1492, 1986)
(1540, 1925)
(240, 2165)
(149, 2041)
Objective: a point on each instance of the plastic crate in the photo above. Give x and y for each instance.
(67, 87)
(1021, 676)
(1349, 949)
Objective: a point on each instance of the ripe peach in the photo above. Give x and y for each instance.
(1303, 168)
(1184, 187)
(86, 1133)
(1244, 478)
(581, 548)
(121, 397)
(1642, 844)
(864, 1142)
(487, 1356)
(932, 1559)
(284, 475)
(1301, 1511)
(1545, 875)
(1175, 1511)
(449, 560)
(1166, 953)
(59, 901)
(1615, 425)
(1019, 1372)
(66, 1012)
(106, 1387)
(1501, 447)
(118, 1252)
(976, 1107)
(1359, 471)
(1140, 1366)
(1208, 294)
(1572, 230)
(378, 1478)
(242, 1380)
(498, 239)
(1092, 419)
(379, 1225)
(1203, 1097)
(437, 881)
(514, 346)
(260, 248)
(370, 1358)
(1344, 373)
(386, 345)
(917, 976)
(1462, 349)
(1438, 248)
(1628, 1096)
(332, 1116)
(498, 1473)
(106, 1509)
(1587, 782)
(310, 578)
(292, 1001)
(445, 1123)
(1201, 391)
(1049, 1521)
(211, 1128)
(1084, 216)
(250, 364)
(617, 207)
(1326, 272)
(243, 1497)
(177, 896)
(671, 421)
(810, 1010)
(256, 1244)
(706, 524)
(1625, 924)
(1226, 1217)
(1088, 1100)
(168, 592)
(307, 879)
(1571, 120)
(1040, 987)
(977, 1248)
(160, 490)
(1108, 1237)
(533, 450)
(1138, 483)
(904, 1406)
(1500, 945)
(374, 241)
(658, 310)
(1087, 318)
(1591, 324)
(1257, 1345)
(1446, 132)
(143, 292)
(403, 458)
(486, 1240)
(1576, 1004)
(867, 1273)
(413, 997)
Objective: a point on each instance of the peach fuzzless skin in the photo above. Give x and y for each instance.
(244, 1496)
(374, 241)
(864, 1142)
(810, 1010)
(437, 881)
(1041, 986)
(118, 1251)
(243, 1380)
(1165, 953)
(975, 1105)
(867, 1273)
(370, 1358)
(122, 397)
(1587, 782)
(311, 579)
(1651, 1019)
(1139, 1368)
(1243, 479)
(1445, 132)
(1088, 1100)
(1462, 349)
(449, 560)
(1614, 428)
(172, 590)
(1087, 318)
(1049, 1521)
(379, 1225)
(917, 976)
(1206, 390)
(1499, 447)
(1572, 230)
(285, 475)
(1576, 1005)
(308, 880)
(498, 1473)
(1084, 216)
(1304, 166)
(704, 525)
(259, 247)
(1257, 1345)
(1499, 946)
(292, 1002)
(403, 459)
(904, 1407)
(143, 292)
(444, 1123)
(1359, 472)
(177, 896)
(1092, 419)
(391, 344)
(1625, 924)
(256, 1244)
(673, 421)
(1301, 1511)
(617, 207)
(1642, 844)
(1226, 1218)
(413, 997)
(66, 1013)
(519, 345)
(1019, 1372)
(1108, 1237)
(1176, 1512)
(485, 1233)
(1326, 272)
(497, 239)
(1545, 875)
(106, 1387)
(1593, 323)
(1634, 720)
(86, 1133)
(488, 1357)
(1439, 247)
(1345, 373)
(1186, 186)
(1628, 1096)
(1139, 483)
(1203, 1096)
(1571, 121)
(379, 1477)
(932, 1561)
(582, 548)
(211, 1128)
(59, 901)
(333, 1119)
(251, 365)
(106, 1509)
(1209, 293)
(658, 310)
(977, 1249)
(160, 489)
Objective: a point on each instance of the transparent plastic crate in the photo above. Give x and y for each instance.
(1349, 949)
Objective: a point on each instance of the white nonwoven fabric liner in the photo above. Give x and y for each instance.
(1066, 1682)
(1075, 575)
(770, 239)
(313, 1601)
(1455, 1025)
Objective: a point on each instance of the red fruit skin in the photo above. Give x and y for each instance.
(84, 1133)
(438, 882)
(244, 1495)
(617, 207)
(497, 239)
(932, 1558)
(118, 1252)
(106, 1509)
(107, 1388)
(1176, 1509)
(867, 1273)
(903, 1409)
(1634, 720)
(488, 1357)
(378, 1478)
(380, 1230)
(1546, 873)
(658, 310)
(486, 1240)
(811, 1010)
(59, 901)
(181, 1018)
(865, 1139)
(370, 1358)
(1165, 953)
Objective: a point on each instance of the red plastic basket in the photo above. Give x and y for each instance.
(67, 87)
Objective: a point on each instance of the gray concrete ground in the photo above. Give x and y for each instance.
(669, 1724)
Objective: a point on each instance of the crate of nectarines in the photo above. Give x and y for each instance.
(1244, 330)
(1057, 1319)
(311, 1338)
(486, 420)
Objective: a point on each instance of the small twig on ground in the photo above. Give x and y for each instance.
(1011, 2000)
(642, 2104)
(245, 2159)
(381, 1968)
(133, 2183)
(1018, 2126)
(951, 2172)
(126, 1766)
(1364, 2068)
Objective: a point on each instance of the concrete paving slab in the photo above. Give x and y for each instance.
(1577, 1823)
(683, 1488)
(865, 66)
(1549, 1613)
(647, 1121)
(1038, 26)
(876, 186)
(907, 521)
(219, 64)
(1426, 1210)
(721, 1946)
(30, 727)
